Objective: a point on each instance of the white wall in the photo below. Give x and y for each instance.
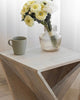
(77, 26)
(67, 22)
(3, 25)
(11, 17)
(70, 23)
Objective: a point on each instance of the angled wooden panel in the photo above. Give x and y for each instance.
(19, 90)
(61, 88)
(32, 79)
(61, 79)
(55, 75)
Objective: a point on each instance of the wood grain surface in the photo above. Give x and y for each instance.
(72, 94)
(40, 76)
(40, 60)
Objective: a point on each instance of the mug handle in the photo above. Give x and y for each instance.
(10, 42)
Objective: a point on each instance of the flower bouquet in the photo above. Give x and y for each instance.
(39, 11)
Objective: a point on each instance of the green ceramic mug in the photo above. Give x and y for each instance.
(18, 44)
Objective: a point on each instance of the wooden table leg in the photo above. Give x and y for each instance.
(19, 90)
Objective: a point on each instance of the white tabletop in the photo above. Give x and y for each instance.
(40, 60)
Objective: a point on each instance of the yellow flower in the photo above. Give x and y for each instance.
(42, 6)
(29, 20)
(22, 16)
(25, 4)
(24, 10)
(35, 7)
(31, 2)
(41, 15)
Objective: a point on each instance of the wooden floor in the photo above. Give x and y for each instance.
(4, 90)
(72, 94)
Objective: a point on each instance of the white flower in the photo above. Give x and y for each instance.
(48, 9)
(48, 6)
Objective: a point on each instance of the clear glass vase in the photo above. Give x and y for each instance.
(49, 42)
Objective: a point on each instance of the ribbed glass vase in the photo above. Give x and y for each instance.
(50, 43)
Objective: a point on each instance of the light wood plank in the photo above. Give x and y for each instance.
(55, 75)
(72, 94)
(53, 59)
(32, 79)
(19, 90)
(7, 97)
(61, 88)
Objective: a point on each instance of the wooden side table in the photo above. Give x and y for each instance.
(39, 75)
